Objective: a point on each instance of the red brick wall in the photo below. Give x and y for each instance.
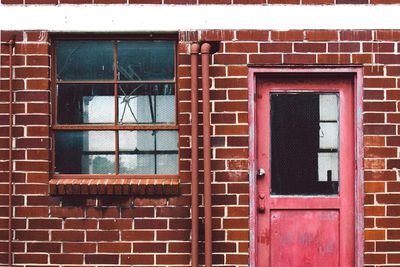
(90, 231)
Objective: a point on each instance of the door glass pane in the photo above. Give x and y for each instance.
(85, 60)
(85, 152)
(304, 143)
(145, 60)
(146, 103)
(85, 104)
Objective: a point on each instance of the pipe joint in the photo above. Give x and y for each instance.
(205, 48)
(194, 48)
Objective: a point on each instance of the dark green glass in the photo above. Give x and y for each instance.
(85, 60)
(145, 60)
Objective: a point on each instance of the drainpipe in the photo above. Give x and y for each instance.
(194, 53)
(11, 45)
(205, 54)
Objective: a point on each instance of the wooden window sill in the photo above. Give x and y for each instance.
(117, 186)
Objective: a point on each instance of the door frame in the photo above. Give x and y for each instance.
(357, 73)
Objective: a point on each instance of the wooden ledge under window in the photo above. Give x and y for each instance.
(114, 186)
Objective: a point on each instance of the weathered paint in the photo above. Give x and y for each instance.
(118, 18)
(350, 243)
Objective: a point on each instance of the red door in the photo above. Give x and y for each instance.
(305, 179)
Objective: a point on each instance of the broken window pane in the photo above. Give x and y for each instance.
(85, 103)
(86, 152)
(146, 103)
(146, 60)
(148, 152)
(85, 60)
(304, 143)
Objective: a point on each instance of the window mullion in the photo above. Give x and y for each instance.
(116, 108)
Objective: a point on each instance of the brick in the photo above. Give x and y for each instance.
(387, 246)
(265, 59)
(45, 224)
(6, 36)
(34, 258)
(80, 247)
(106, 224)
(44, 247)
(181, 212)
(387, 59)
(137, 259)
(380, 82)
(150, 224)
(231, 83)
(149, 247)
(32, 235)
(356, 35)
(230, 59)
(276, 47)
(71, 223)
(37, 84)
(374, 118)
(173, 235)
(361, 58)
(31, 211)
(217, 35)
(101, 259)
(380, 175)
(378, 47)
(378, 129)
(241, 47)
(32, 72)
(380, 106)
(374, 94)
(334, 59)
(32, 96)
(310, 47)
(114, 247)
(172, 259)
(375, 258)
(231, 106)
(374, 163)
(252, 35)
(66, 258)
(374, 140)
(375, 234)
(388, 199)
(322, 35)
(237, 259)
(137, 235)
(388, 35)
(299, 59)
(67, 235)
(102, 235)
(344, 47)
(291, 35)
(66, 212)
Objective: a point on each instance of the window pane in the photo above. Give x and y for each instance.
(145, 60)
(146, 152)
(146, 103)
(304, 143)
(85, 60)
(86, 152)
(84, 103)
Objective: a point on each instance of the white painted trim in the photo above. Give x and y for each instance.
(169, 18)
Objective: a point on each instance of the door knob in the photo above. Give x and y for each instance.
(260, 172)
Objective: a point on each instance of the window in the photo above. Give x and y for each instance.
(114, 109)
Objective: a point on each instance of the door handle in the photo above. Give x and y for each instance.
(260, 173)
(261, 202)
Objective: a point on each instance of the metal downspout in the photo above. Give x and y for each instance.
(11, 44)
(205, 61)
(194, 53)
